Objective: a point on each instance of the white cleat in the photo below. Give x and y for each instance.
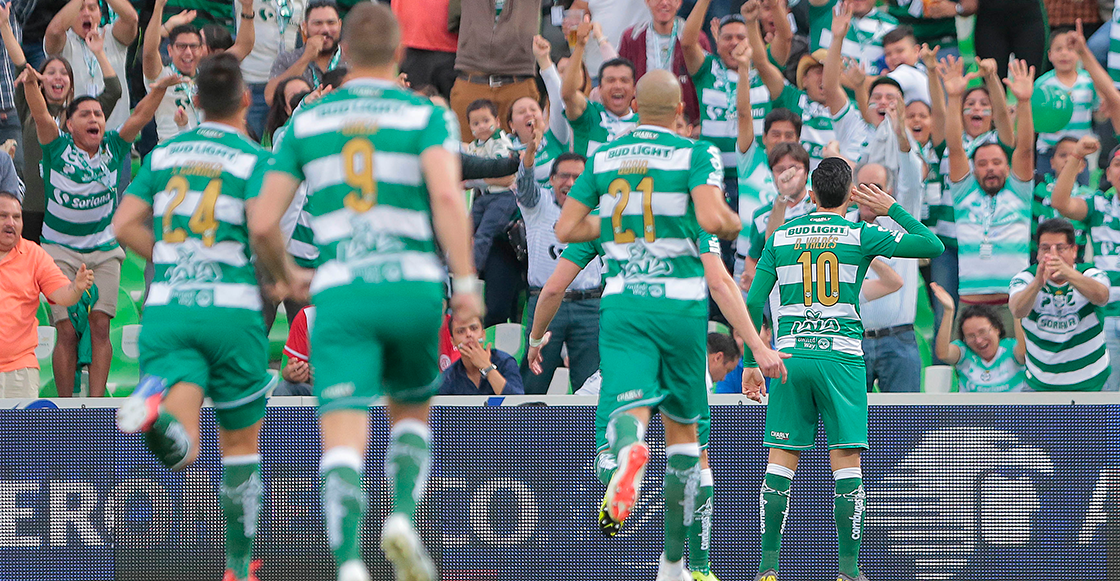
(403, 548)
(672, 572)
(353, 571)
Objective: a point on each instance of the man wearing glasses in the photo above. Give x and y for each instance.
(321, 29)
(1062, 304)
(176, 112)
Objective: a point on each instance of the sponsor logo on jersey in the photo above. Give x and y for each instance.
(190, 268)
(366, 241)
(813, 323)
(642, 262)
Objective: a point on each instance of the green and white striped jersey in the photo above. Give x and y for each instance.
(993, 234)
(864, 41)
(756, 235)
(596, 126)
(549, 149)
(358, 150)
(819, 261)
(1003, 373)
(296, 222)
(1103, 221)
(641, 184)
(1113, 60)
(946, 227)
(932, 186)
(81, 192)
(1065, 335)
(756, 189)
(1084, 97)
(716, 87)
(197, 184)
(816, 122)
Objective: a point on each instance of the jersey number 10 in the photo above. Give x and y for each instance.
(826, 274)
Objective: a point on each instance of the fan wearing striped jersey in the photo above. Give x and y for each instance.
(202, 334)
(818, 263)
(382, 173)
(654, 189)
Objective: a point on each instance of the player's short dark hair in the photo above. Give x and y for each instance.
(73, 106)
(1058, 226)
(885, 80)
(566, 156)
(371, 33)
(183, 29)
(479, 104)
(220, 85)
(317, 4)
(723, 343)
(781, 114)
(832, 182)
(216, 37)
(899, 34)
(619, 62)
(984, 311)
(792, 149)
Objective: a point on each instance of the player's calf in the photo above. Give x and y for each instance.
(166, 437)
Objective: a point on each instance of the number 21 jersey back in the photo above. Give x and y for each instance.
(820, 261)
(358, 151)
(641, 183)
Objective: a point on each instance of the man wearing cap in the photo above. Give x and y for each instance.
(1101, 212)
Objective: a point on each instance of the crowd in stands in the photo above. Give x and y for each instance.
(994, 121)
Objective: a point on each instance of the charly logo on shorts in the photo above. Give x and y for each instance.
(339, 390)
(779, 435)
(633, 394)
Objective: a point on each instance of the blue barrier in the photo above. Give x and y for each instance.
(954, 492)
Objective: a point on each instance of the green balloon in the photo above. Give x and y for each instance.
(1051, 108)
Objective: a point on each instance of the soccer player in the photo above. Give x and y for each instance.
(382, 172)
(203, 335)
(726, 293)
(818, 262)
(653, 188)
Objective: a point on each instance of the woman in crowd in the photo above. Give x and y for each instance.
(987, 360)
(58, 90)
(283, 102)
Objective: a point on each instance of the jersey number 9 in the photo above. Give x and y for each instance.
(357, 165)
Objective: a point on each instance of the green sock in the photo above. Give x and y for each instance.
(623, 430)
(699, 534)
(343, 501)
(774, 501)
(606, 464)
(849, 506)
(406, 464)
(168, 441)
(682, 481)
(241, 504)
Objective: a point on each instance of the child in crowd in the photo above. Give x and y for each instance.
(902, 56)
(1070, 77)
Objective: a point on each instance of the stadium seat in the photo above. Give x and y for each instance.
(508, 337)
(561, 382)
(938, 379)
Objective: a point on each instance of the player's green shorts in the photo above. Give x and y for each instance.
(653, 360)
(225, 353)
(834, 391)
(370, 341)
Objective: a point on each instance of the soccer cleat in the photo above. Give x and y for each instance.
(607, 525)
(703, 576)
(140, 410)
(404, 550)
(622, 492)
(253, 566)
(665, 571)
(767, 575)
(843, 577)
